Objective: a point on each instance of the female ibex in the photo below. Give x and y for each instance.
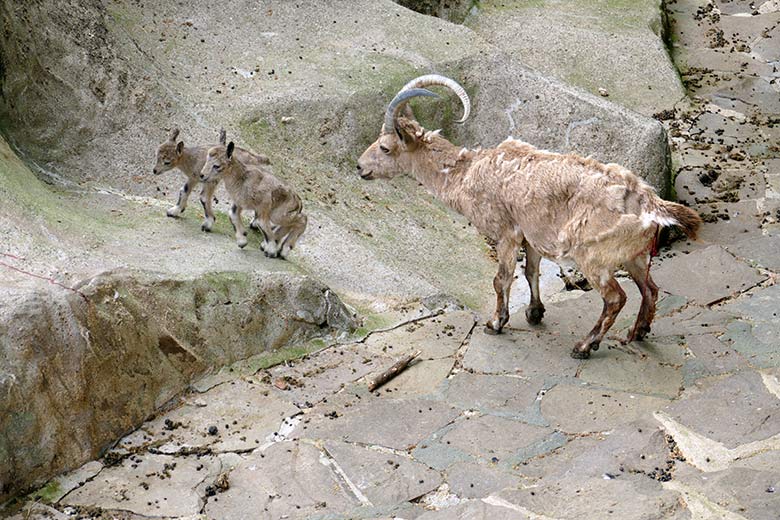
(562, 207)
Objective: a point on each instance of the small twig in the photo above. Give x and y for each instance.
(391, 372)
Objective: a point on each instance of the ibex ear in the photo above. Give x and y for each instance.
(407, 131)
(230, 148)
(222, 136)
(407, 112)
(180, 147)
(174, 134)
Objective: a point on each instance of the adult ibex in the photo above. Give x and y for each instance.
(559, 206)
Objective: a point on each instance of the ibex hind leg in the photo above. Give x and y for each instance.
(535, 310)
(292, 236)
(614, 299)
(638, 269)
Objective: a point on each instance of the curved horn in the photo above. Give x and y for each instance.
(398, 103)
(437, 79)
(174, 134)
(222, 136)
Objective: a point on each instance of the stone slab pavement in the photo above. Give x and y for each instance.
(685, 425)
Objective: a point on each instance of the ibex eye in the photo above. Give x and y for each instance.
(215, 167)
(384, 149)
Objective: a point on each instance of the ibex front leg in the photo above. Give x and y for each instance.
(206, 197)
(502, 283)
(238, 225)
(181, 203)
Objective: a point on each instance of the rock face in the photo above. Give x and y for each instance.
(79, 368)
(310, 94)
(608, 48)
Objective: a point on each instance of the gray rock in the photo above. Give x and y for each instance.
(749, 493)
(495, 439)
(286, 479)
(710, 357)
(760, 307)
(471, 480)
(744, 222)
(582, 409)
(471, 510)
(437, 337)
(559, 460)
(651, 367)
(617, 48)
(576, 497)
(149, 485)
(420, 379)
(706, 276)
(527, 354)
(499, 394)
(36, 511)
(393, 423)
(321, 375)
(385, 479)
(243, 415)
(691, 321)
(733, 411)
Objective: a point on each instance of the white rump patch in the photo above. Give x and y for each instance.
(653, 217)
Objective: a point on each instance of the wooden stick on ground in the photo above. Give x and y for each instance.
(391, 372)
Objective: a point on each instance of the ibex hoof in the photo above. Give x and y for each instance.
(206, 228)
(534, 315)
(491, 331)
(580, 354)
(639, 334)
(242, 245)
(174, 212)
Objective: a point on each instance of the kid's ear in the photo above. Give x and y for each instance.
(222, 136)
(180, 147)
(174, 134)
(230, 148)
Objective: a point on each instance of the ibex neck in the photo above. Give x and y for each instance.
(235, 175)
(440, 166)
(191, 161)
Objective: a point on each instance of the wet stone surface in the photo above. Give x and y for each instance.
(683, 425)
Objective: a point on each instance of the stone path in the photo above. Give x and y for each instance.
(684, 425)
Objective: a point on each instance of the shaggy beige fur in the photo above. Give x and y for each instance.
(252, 186)
(563, 207)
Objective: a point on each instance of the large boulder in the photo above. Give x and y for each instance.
(81, 367)
(616, 48)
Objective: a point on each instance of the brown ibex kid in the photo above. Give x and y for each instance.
(190, 160)
(252, 186)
